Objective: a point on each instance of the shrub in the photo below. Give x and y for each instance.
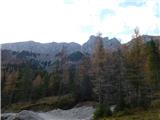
(102, 110)
(65, 102)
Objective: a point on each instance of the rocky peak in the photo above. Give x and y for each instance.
(110, 44)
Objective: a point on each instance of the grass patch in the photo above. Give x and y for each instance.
(152, 114)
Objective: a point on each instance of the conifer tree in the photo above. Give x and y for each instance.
(153, 64)
(135, 70)
(10, 85)
(84, 81)
(63, 70)
(99, 68)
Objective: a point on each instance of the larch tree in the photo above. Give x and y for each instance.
(63, 69)
(37, 81)
(37, 87)
(98, 69)
(10, 85)
(119, 72)
(135, 69)
(83, 80)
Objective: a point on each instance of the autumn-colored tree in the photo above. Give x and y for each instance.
(135, 70)
(83, 81)
(120, 79)
(38, 87)
(37, 81)
(98, 68)
(10, 85)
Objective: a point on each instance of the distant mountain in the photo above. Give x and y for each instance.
(43, 48)
(54, 48)
(145, 38)
(46, 53)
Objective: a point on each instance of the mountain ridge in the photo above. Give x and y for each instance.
(54, 47)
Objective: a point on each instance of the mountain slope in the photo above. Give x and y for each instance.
(45, 48)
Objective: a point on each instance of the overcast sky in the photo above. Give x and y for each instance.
(75, 20)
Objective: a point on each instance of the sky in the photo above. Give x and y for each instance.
(75, 20)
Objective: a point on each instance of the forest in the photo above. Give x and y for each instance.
(128, 78)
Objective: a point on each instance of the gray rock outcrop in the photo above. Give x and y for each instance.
(23, 115)
(78, 113)
(109, 44)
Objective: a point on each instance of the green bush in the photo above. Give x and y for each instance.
(101, 111)
(65, 102)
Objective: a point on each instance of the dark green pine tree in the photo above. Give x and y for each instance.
(46, 85)
(153, 63)
(23, 87)
(72, 83)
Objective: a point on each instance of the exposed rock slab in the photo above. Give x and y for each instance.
(79, 113)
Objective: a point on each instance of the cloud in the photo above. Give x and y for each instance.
(137, 3)
(127, 18)
(105, 12)
(76, 20)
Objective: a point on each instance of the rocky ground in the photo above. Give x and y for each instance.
(78, 113)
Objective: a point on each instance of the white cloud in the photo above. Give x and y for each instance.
(56, 20)
(126, 19)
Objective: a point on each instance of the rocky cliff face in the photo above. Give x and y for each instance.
(110, 44)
